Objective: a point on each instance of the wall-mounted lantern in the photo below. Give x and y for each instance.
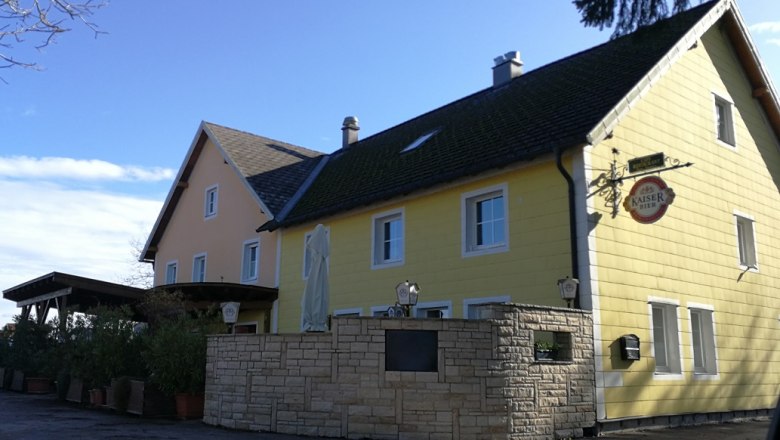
(406, 296)
(230, 314)
(568, 289)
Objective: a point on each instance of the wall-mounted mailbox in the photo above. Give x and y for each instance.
(629, 347)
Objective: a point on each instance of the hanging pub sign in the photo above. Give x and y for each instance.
(649, 199)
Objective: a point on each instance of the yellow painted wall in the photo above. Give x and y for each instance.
(221, 237)
(538, 243)
(691, 254)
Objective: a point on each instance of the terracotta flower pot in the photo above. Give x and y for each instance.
(189, 406)
(97, 397)
(38, 385)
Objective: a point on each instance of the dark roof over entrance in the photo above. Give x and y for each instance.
(82, 293)
(250, 296)
(60, 290)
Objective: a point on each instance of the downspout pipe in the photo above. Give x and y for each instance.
(575, 272)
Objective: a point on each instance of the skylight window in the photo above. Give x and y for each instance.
(420, 140)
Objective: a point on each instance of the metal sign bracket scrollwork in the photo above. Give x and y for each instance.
(609, 184)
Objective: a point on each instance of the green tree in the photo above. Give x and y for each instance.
(630, 14)
(175, 344)
(30, 347)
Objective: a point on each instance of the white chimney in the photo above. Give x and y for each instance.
(349, 131)
(508, 67)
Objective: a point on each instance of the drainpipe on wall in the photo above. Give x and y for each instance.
(575, 273)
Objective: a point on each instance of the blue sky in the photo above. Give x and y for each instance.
(90, 144)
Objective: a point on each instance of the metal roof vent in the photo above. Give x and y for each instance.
(349, 131)
(508, 67)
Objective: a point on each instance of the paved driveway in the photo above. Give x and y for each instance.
(749, 430)
(31, 417)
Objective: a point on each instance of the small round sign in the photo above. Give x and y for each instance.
(648, 200)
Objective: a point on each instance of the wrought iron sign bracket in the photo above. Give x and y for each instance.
(609, 185)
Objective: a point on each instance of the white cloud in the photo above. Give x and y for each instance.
(47, 227)
(24, 167)
(775, 41)
(767, 26)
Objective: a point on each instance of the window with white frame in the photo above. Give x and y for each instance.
(436, 309)
(250, 261)
(210, 204)
(703, 341)
(171, 270)
(724, 120)
(380, 311)
(746, 242)
(199, 268)
(484, 221)
(388, 239)
(666, 340)
(472, 307)
(307, 253)
(356, 311)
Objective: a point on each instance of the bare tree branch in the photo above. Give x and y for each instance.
(138, 274)
(41, 21)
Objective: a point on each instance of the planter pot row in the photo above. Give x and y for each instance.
(145, 399)
(15, 380)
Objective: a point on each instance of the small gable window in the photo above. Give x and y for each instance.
(210, 205)
(420, 140)
(724, 120)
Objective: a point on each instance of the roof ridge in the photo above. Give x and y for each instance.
(554, 105)
(260, 136)
(534, 72)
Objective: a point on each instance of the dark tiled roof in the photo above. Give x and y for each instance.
(554, 106)
(274, 169)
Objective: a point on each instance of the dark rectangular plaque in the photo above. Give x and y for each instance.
(646, 163)
(411, 350)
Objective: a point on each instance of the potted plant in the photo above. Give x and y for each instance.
(544, 350)
(5, 334)
(76, 351)
(175, 354)
(29, 353)
(115, 349)
(121, 390)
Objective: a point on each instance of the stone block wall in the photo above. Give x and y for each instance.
(487, 384)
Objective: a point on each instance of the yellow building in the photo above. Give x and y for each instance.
(495, 197)
(648, 168)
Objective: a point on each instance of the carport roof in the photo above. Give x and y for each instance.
(83, 293)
